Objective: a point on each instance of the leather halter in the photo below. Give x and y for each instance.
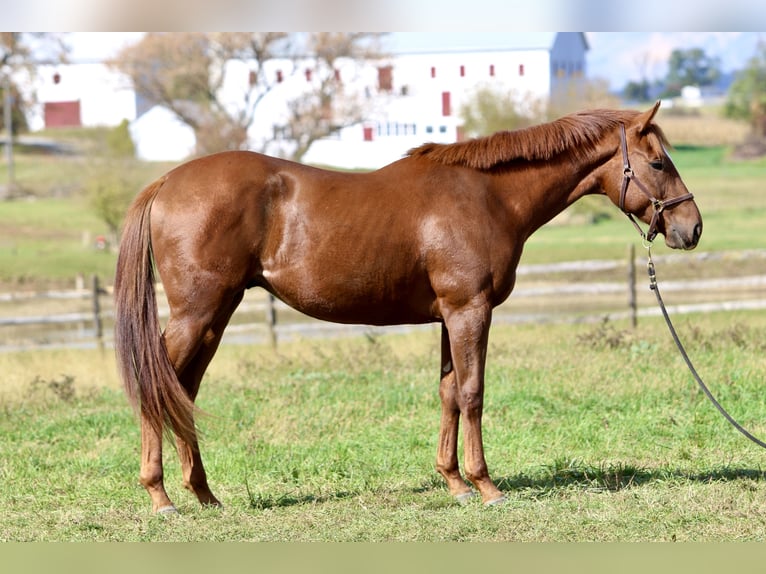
(659, 205)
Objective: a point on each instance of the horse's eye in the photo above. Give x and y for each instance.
(656, 164)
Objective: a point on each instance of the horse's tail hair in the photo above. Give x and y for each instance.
(148, 376)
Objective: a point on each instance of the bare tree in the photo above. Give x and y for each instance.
(187, 73)
(330, 105)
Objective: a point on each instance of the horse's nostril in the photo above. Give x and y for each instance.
(697, 232)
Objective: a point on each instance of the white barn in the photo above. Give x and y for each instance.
(429, 87)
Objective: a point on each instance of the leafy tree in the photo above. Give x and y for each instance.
(186, 72)
(638, 91)
(489, 110)
(112, 179)
(118, 141)
(690, 67)
(18, 107)
(747, 95)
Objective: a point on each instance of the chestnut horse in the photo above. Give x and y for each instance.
(433, 237)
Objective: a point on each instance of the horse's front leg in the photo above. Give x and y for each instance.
(468, 331)
(446, 455)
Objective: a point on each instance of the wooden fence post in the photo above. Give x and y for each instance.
(97, 323)
(632, 303)
(271, 320)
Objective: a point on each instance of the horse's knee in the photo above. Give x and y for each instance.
(471, 401)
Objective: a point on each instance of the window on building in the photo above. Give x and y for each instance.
(446, 104)
(386, 78)
(521, 69)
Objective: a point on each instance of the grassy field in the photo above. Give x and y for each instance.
(335, 441)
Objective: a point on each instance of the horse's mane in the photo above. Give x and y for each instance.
(578, 132)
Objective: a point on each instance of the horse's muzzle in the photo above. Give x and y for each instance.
(686, 239)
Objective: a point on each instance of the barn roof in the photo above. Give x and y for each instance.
(429, 42)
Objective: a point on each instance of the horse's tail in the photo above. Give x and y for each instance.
(150, 381)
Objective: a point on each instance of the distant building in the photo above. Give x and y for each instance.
(418, 97)
(159, 135)
(428, 89)
(80, 95)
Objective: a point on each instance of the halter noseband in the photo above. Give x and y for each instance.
(658, 205)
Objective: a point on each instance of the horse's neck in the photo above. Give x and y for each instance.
(545, 189)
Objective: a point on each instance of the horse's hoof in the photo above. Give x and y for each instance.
(464, 497)
(496, 501)
(168, 511)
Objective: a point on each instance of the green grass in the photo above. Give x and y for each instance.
(51, 240)
(592, 432)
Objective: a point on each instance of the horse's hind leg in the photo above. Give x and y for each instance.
(183, 340)
(191, 340)
(151, 469)
(178, 335)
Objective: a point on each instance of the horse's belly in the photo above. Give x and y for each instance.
(353, 300)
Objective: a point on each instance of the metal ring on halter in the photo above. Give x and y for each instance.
(646, 242)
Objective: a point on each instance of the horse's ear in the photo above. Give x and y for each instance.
(646, 118)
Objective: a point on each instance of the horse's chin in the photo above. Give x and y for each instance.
(681, 242)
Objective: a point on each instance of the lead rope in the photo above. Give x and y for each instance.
(653, 286)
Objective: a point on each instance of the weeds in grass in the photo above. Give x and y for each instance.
(737, 335)
(606, 336)
(62, 388)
